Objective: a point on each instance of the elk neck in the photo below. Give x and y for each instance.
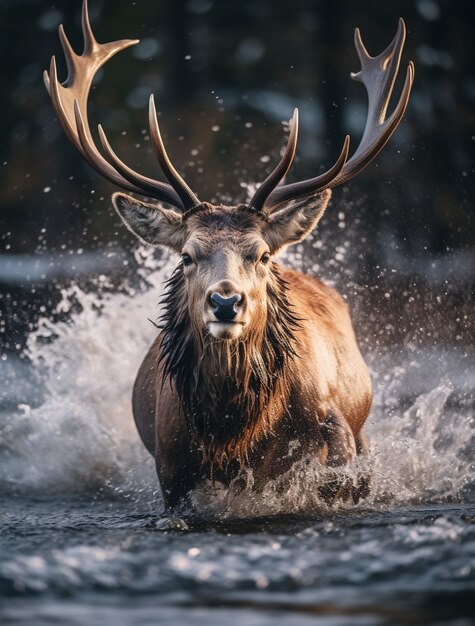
(232, 393)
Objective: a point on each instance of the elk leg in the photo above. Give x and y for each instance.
(341, 448)
(176, 483)
(340, 440)
(362, 488)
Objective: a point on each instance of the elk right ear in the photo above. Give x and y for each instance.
(295, 221)
(151, 223)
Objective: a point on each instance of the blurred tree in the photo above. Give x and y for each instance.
(226, 74)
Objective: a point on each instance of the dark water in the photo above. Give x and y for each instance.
(83, 539)
(89, 560)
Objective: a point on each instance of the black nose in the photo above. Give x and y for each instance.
(225, 309)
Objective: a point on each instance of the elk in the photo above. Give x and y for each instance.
(250, 355)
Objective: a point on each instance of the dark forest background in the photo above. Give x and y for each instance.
(225, 76)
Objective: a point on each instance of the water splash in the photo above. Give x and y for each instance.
(421, 455)
(82, 435)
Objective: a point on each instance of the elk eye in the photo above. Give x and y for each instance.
(186, 258)
(265, 258)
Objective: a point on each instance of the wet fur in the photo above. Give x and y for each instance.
(307, 396)
(229, 390)
(205, 407)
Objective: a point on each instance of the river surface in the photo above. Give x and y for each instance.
(109, 560)
(83, 535)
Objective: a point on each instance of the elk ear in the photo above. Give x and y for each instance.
(295, 221)
(151, 223)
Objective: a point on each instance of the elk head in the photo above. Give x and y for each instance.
(226, 254)
(226, 251)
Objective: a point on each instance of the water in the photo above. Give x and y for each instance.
(89, 560)
(83, 536)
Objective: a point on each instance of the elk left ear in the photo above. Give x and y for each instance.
(295, 221)
(152, 224)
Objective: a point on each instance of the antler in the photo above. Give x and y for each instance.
(70, 103)
(266, 188)
(70, 98)
(282, 168)
(378, 75)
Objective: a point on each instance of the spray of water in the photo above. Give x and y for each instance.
(82, 435)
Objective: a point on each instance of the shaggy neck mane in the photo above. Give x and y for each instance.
(231, 392)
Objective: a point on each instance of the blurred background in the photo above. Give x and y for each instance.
(398, 240)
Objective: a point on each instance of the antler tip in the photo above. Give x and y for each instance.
(295, 118)
(345, 151)
(360, 47)
(52, 68)
(152, 113)
(88, 35)
(102, 136)
(410, 74)
(85, 10)
(125, 43)
(77, 113)
(46, 79)
(397, 44)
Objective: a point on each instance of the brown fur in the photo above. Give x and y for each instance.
(231, 391)
(206, 407)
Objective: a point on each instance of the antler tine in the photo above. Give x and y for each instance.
(70, 103)
(89, 40)
(120, 172)
(311, 186)
(148, 185)
(388, 60)
(188, 198)
(378, 74)
(77, 133)
(270, 183)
